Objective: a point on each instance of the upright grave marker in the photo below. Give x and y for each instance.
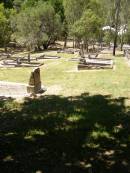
(34, 86)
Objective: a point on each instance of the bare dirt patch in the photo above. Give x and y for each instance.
(11, 89)
(53, 90)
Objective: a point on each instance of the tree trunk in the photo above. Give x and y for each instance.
(115, 45)
(65, 42)
(117, 12)
(93, 47)
(101, 45)
(29, 57)
(35, 49)
(73, 42)
(86, 45)
(122, 42)
(77, 43)
(39, 48)
(45, 46)
(81, 50)
(5, 49)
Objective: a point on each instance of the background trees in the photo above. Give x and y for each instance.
(117, 17)
(5, 29)
(37, 26)
(87, 28)
(38, 23)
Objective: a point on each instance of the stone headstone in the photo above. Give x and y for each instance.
(18, 60)
(35, 82)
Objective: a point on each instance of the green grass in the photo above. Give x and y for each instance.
(63, 73)
(85, 128)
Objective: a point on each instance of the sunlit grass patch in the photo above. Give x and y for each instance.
(100, 134)
(74, 118)
(11, 105)
(31, 134)
(64, 73)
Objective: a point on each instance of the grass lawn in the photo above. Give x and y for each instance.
(83, 127)
(63, 74)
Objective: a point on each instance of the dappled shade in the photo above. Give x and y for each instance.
(56, 134)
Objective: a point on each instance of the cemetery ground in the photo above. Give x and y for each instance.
(80, 125)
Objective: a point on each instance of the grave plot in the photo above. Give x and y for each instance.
(74, 59)
(48, 57)
(12, 89)
(4, 56)
(83, 56)
(127, 54)
(92, 61)
(19, 62)
(26, 59)
(68, 51)
(98, 63)
(90, 56)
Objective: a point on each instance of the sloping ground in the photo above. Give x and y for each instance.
(64, 75)
(85, 128)
(58, 134)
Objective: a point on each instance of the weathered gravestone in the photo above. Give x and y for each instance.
(34, 86)
(18, 60)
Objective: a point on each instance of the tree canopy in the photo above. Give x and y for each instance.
(41, 22)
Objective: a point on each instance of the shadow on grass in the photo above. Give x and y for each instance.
(56, 134)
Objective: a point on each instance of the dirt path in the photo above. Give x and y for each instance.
(11, 89)
(19, 90)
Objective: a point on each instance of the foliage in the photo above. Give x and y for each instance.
(88, 27)
(65, 18)
(37, 25)
(108, 37)
(5, 29)
(7, 3)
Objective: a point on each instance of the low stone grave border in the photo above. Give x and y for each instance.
(66, 51)
(48, 57)
(97, 63)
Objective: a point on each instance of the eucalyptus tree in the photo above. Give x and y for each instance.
(7, 3)
(117, 12)
(73, 10)
(116, 20)
(125, 21)
(5, 28)
(37, 26)
(50, 27)
(88, 27)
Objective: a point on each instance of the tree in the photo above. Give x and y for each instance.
(7, 3)
(117, 12)
(17, 4)
(108, 37)
(5, 28)
(125, 18)
(87, 28)
(73, 12)
(50, 24)
(116, 22)
(36, 26)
